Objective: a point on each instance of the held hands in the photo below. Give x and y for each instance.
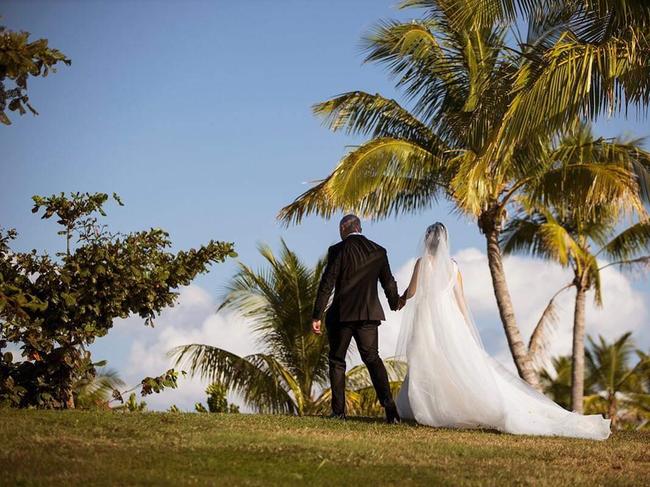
(315, 327)
(401, 302)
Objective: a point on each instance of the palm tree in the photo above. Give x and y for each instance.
(612, 387)
(279, 300)
(619, 387)
(360, 396)
(460, 79)
(287, 376)
(569, 237)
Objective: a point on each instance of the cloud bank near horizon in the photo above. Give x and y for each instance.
(532, 282)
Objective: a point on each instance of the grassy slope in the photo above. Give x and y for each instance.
(64, 448)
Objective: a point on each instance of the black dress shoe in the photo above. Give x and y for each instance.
(342, 417)
(392, 416)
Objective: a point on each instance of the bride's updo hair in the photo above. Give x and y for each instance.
(435, 234)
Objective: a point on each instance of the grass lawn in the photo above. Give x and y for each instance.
(103, 448)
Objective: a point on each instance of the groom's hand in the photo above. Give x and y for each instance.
(315, 327)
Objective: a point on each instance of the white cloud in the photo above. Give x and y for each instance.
(192, 320)
(532, 282)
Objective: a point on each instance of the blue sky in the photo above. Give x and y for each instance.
(198, 115)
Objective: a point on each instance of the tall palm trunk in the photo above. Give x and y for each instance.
(517, 346)
(578, 359)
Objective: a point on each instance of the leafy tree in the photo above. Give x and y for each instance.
(462, 80)
(285, 377)
(58, 306)
(174, 409)
(217, 400)
(20, 59)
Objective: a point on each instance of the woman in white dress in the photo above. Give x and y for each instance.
(451, 380)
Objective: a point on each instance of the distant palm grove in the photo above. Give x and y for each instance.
(495, 121)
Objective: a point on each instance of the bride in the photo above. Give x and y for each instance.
(451, 380)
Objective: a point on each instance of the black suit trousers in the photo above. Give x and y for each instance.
(366, 337)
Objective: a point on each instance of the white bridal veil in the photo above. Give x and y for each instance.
(451, 380)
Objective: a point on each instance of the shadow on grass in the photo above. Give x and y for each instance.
(412, 423)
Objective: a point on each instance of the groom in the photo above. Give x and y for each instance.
(354, 266)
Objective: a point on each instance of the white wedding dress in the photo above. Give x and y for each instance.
(451, 380)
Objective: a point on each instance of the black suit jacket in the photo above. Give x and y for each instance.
(354, 266)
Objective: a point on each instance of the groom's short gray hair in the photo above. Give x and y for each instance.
(350, 223)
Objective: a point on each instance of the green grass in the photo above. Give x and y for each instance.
(103, 448)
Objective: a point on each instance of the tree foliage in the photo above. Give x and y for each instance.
(20, 59)
(53, 307)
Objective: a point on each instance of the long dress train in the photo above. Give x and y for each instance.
(453, 382)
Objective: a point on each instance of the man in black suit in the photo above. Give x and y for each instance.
(354, 266)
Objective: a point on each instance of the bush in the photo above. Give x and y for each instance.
(54, 307)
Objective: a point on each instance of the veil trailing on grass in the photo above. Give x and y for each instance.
(451, 380)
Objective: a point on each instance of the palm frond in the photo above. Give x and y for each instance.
(557, 381)
(486, 11)
(97, 391)
(578, 146)
(591, 266)
(362, 113)
(261, 387)
(586, 187)
(322, 403)
(612, 13)
(560, 243)
(607, 363)
(574, 79)
(367, 403)
(522, 235)
(382, 177)
(543, 236)
(416, 57)
(630, 242)
(358, 377)
(539, 344)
